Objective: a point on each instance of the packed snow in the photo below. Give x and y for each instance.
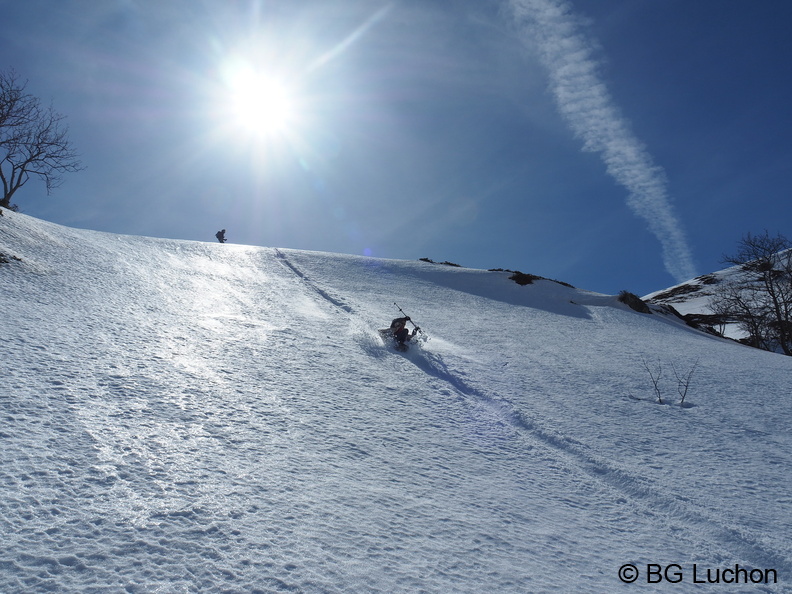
(181, 416)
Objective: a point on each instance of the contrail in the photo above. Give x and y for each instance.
(351, 38)
(551, 27)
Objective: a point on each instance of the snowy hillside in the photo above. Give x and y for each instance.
(694, 297)
(180, 417)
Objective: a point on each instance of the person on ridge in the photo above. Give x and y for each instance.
(221, 236)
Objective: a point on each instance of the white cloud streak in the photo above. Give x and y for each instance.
(341, 47)
(551, 28)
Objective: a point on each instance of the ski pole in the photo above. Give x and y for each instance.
(417, 329)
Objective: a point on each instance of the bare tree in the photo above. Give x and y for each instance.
(683, 380)
(33, 140)
(760, 300)
(655, 375)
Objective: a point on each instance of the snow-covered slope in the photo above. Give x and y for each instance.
(694, 297)
(179, 416)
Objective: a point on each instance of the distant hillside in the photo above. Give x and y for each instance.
(694, 300)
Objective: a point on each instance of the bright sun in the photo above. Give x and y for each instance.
(257, 103)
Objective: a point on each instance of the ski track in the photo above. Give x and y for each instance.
(334, 301)
(671, 510)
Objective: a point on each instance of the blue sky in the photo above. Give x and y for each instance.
(611, 144)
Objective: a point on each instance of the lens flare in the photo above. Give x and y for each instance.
(257, 103)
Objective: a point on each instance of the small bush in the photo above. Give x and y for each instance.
(634, 302)
(523, 279)
(446, 263)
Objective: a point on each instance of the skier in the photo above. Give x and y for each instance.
(400, 332)
(221, 236)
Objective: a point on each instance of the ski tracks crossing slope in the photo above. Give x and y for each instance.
(669, 512)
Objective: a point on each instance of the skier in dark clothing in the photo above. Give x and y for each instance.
(400, 332)
(221, 236)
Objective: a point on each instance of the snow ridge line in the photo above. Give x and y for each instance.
(642, 490)
(312, 285)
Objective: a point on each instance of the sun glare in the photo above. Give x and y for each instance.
(257, 103)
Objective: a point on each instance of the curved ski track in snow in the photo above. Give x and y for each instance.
(675, 511)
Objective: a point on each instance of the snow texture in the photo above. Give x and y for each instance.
(180, 416)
